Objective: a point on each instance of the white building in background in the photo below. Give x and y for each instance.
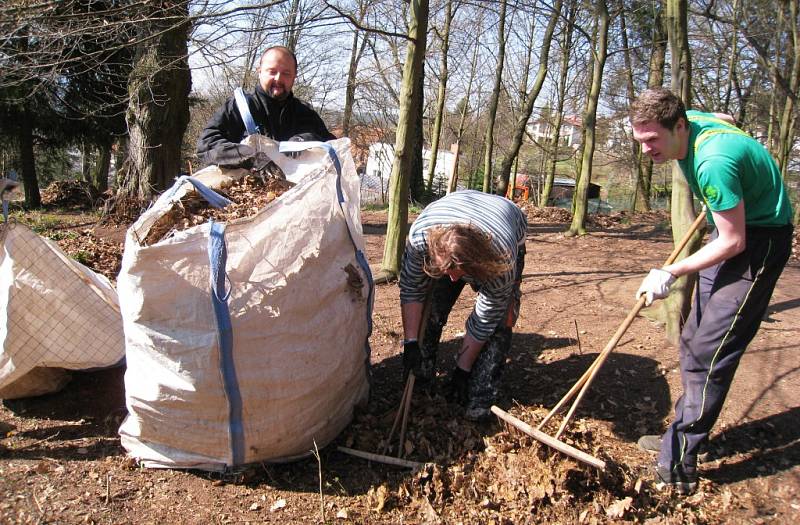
(569, 135)
(375, 179)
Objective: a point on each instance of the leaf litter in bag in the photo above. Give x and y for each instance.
(248, 195)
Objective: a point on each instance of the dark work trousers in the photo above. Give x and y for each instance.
(730, 300)
(487, 369)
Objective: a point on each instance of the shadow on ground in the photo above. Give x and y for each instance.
(89, 410)
(756, 448)
(629, 390)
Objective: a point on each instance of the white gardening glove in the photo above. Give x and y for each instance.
(655, 285)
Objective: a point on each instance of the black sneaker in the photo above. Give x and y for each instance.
(679, 480)
(650, 443)
(478, 414)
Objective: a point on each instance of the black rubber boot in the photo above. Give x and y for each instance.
(484, 381)
(443, 296)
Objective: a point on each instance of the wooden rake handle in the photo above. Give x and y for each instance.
(588, 376)
(403, 411)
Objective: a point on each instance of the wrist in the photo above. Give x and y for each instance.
(409, 340)
(670, 271)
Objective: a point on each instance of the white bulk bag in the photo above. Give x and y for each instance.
(55, 314)
(248, 341)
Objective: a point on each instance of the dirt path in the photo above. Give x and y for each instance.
(61, 461)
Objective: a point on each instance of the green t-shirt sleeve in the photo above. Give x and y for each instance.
(718, 180)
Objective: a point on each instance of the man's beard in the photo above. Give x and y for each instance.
(281, 96)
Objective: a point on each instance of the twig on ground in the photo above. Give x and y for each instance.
(321, 497)
(389, 460)
(38, 505)
(48, 438)
(578, 336)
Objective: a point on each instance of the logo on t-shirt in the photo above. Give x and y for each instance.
(711, 193)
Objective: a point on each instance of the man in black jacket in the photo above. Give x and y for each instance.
(275, 110)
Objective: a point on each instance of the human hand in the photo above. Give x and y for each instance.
(655, 285)
(412, 358)
(458, 390)
(264, 168)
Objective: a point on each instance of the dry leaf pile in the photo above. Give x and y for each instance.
(100, 255)
(69, 193)
(508, 477)
(538, 215)
(248, 195)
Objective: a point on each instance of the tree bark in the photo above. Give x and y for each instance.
(530, 100)
(788, 117)
(159, 110)
(578, 225)
(462, 122)
(355, 57)
(682, 210)
(441, 95)
(566, 52)
(642, 191)
(493, 102)
(410, 101)
(33, 198)
(101, 169)
(655, 78)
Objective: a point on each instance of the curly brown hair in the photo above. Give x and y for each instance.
(467, 248)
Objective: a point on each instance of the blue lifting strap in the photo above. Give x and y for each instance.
(12, 175)
(244, 110)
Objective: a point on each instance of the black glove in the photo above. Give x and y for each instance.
(412, 358)
(264, 168)
(458, 391)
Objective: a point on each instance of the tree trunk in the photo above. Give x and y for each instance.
(530, 100)
(291, 32)
(350, 91)
(410, 101)
(655, 78)
(33, 198)
(101, 168)
(462, 123)
(566, 52)
(732, 59)
(788, 118)
(417, 187)
(86, 162)
(682, 210)
(440, 98)
(578, 225)
(642, 187)
(159, 110)
(493, 102)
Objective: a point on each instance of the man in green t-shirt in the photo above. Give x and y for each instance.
(738, 268)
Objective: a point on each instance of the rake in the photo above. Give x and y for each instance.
(582, 385)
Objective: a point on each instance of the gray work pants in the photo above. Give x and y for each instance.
(729, 303)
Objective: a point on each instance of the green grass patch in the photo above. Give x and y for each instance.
(82, 257)
(375, 207)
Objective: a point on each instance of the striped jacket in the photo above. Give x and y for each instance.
(493, 214)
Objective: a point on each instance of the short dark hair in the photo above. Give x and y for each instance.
(657, 105)
(283, 49)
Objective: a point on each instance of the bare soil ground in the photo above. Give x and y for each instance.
(61, 461)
